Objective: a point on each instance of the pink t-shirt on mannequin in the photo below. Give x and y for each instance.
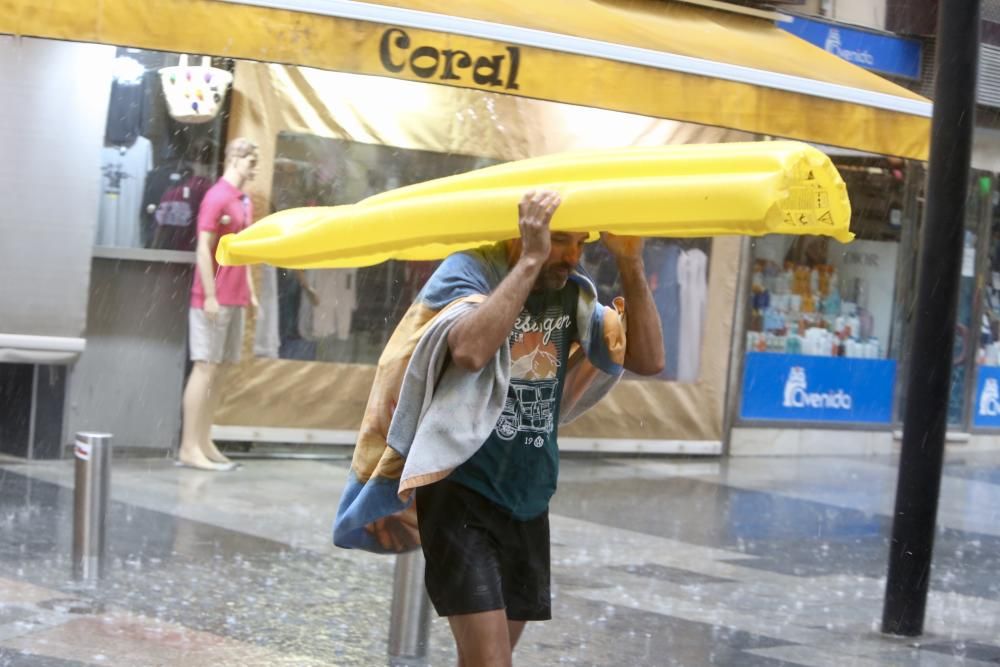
(231, 286)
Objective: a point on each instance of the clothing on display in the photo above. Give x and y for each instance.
(692, 269)
(158, 181)
(170, 206)
(290, 295)
(267, 337)
(123, 180)
(215, 339)
(989, 328)
(336, 293)
(225, 210)
(661, 258)
(126, 111)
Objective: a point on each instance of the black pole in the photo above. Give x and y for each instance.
(929, 383)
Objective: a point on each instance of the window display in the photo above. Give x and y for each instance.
(343, 315)
(985, 406)
(346, 315)
(820, 339)
(989, 330)
(815, 296)
(837, 306)
(154, 169)
(677, 273)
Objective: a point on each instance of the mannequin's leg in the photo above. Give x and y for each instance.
(229, 354)
(197, 402)
(213, 399)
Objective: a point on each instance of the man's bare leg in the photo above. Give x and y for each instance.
(514, 631)
(483, 639)
(196, 406)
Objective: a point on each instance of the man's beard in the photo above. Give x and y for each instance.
(553, 277)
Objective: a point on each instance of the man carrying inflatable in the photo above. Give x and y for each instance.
(503, 344)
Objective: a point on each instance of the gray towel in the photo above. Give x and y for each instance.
(445, 413)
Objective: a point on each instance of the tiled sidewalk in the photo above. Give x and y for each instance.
(742, 562)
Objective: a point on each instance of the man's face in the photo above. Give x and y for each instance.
(564, 255)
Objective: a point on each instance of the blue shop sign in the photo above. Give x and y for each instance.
(875, 51)
(987, 407)
(822, 389)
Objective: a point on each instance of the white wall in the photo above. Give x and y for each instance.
(868, 13)
(52, 117)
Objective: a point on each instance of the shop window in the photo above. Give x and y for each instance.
(989, 330)
(823, 324)
(342, 315)
(154, 169)
(677, 275)
(986, 399)
(347, 315)
(812, 295)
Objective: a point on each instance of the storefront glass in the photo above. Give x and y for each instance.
(154, 168)
(347, 315)
(985, 406)
(342, 315)
(820, 342)
(971, 337)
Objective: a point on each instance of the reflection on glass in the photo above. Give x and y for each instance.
(343, 315)
(154, 170)
(347, 315)
(989, 328)
(812, 295)
(677, 274)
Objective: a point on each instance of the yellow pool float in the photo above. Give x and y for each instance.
(694, 190)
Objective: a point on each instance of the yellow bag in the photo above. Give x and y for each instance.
(695, 190)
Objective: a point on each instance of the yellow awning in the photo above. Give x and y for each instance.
(651, 57)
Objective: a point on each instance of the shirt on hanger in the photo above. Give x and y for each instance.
(123, 182)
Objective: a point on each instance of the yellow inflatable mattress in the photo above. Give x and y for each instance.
(697, 190)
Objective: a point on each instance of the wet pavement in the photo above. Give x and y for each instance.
(747, 562)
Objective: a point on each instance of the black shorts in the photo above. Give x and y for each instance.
(480, 558)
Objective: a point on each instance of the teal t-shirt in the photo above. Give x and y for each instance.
(518, 465)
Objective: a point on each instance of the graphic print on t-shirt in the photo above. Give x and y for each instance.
(536, 349)
(518, 464)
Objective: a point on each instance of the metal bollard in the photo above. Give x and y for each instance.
(410, 621)
(92, 452)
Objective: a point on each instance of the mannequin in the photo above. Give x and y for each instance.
(219, 297)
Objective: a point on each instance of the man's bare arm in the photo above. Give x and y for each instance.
(644, 340)
(476, 337)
